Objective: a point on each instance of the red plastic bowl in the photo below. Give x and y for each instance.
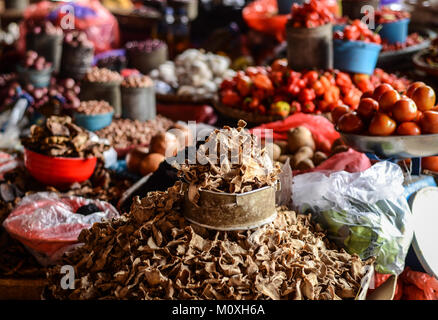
(58, 171)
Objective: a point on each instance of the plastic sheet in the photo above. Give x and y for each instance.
(365, 212)
(47, 223)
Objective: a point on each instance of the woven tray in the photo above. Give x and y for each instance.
(249, 117)
(420, 64)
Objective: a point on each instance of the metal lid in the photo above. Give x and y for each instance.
(424, 207)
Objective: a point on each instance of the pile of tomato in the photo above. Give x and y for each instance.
(311, 14)
(385, 111)
(358, 31)
(277, 90)
(386, 15)
(412, 40)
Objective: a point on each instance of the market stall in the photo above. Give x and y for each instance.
(155, 168)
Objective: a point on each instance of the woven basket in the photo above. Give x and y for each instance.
(249, 117)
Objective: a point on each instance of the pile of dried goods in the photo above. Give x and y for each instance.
(231, 160)
(137, 81)
(60, 137)
(154, 253)
(94, 107)
(77, 39)
(102, 75)
(125, 133)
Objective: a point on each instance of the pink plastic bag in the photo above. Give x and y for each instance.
(323, 131)
(46, 222)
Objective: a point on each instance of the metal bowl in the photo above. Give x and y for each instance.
(232, 211)
(425, 145)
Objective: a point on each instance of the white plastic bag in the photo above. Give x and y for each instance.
(364, 212)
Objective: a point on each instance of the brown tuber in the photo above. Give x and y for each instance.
(319, 157)
(305, 165)
(302, 154)
(299, 137)
(273, 150)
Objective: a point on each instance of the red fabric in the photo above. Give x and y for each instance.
(323, 130)
(411, 285)
(419, 286)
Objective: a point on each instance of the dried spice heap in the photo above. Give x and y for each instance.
(154, 253)
(231, 160)
(59, 137)
(125, 133)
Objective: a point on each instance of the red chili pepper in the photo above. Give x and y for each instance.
(230, 97)
(308, 107)
(227, 84)
(261, 109)
(310, 77)
(332, 94)
(318, 87)
(262, 81)
(325, 82)
(293, 89)
(243, 84)
(343, 80)
(307, 94)
(295, 107)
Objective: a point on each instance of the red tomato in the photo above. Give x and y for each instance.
(311, 76)
(381, 90)
(430, 163)
(408, 129)
(414, 86)
(367, 108)
(243, 85)
(424, 98)
(367, 94)
(418, 116)
(382, 125)
(350, 123)
(338, 112)
(404, 110)
(388, 99)
(429, 122)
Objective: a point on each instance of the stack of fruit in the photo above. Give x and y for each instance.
(385, 112)
(279, 91)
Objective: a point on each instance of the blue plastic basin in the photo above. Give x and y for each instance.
(355, 56)
(396, 31)
(93, 122)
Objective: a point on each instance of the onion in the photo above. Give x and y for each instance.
(165, 144)
(134, 158)
(151, 163)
